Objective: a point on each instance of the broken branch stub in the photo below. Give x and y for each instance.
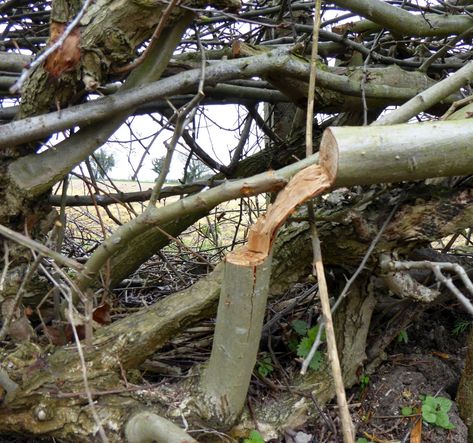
(242, 303)
(306, 184)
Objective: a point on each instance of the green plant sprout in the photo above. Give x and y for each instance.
(265, 366)
(435, 411)
(254, 437)
(403, 337)
(308, 337)
(460, 327)
(364, 381)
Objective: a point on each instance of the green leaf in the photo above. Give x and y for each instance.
(406, 411)
(265, 366)
(316, 361)
(429, 417)
(304, 347)
(312, 333)
(292, 344)
(364, 381)
(444, 403)
(428, 407)
(429, 414)
(255, 437)
(460, 326)
(299, 327)
(403, 337)
(443, 421)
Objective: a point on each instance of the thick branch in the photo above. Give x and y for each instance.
(403, 22)
(381, 89)
(373, 154)
(266, 182)
(51, 166)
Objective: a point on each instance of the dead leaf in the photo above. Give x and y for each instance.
(28, 311)
(416, 433)
(21, 330)
(69, 333)
(342, 29)
(101, 314)
(441, 355)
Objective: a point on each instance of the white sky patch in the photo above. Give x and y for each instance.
(216, 139)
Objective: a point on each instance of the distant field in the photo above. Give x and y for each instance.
(77, 187)
(91, 223)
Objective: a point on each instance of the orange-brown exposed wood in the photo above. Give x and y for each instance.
(67, 57)
(306, 184)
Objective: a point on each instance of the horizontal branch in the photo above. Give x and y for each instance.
(403, 22)
(130, 197)
(380, 154)
(277, 61)
(429, 97)
(266, 182)
(12, 62)
(34, 128)
(40, 248)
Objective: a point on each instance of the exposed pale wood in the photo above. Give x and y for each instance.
(306, 184)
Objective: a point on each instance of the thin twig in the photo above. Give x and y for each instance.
(70, 27)
(312, 78)
(348, 285)
(6, 265)
(346, 421)
(437, 268)
(83, 366)
(365, 259)
(313, 349)
(365, 77)
(345, 417)
(182, 120)
(443, 50)
(456, 105)
(42, 249)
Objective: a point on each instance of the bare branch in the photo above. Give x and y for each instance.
(437, 268)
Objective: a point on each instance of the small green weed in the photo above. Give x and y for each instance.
(364, 381)
(265, 366)
(407, 411)
(306, 341)
(435, 411)
(363, 440)
(403, 337)
(460, 327)
(255, 437)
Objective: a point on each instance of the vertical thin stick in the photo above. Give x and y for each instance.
(313, 72)
(347, 425)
